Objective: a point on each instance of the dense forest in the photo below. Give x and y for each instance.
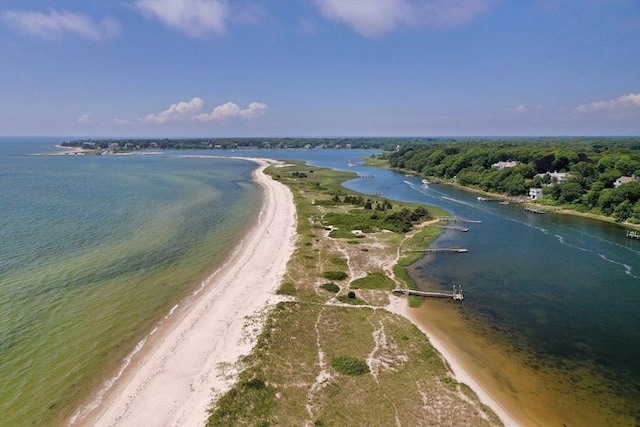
(589, 169)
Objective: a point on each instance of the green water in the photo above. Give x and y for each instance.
(93, 252)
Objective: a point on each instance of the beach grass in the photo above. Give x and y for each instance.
(301, 371)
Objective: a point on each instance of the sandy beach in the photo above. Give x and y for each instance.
(189, 360)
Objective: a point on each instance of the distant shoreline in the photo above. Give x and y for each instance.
(546, 208)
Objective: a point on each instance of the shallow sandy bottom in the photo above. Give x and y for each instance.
(530, 396)
(189, 360)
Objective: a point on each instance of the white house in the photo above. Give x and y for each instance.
(555, 177)
(624, 180)
(503, 165)
(535, 193)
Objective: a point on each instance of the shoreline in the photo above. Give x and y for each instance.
(546, 208)
(400, 306)
(186, 362)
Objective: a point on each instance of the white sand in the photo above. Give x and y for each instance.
(399, 306)
(181, 367)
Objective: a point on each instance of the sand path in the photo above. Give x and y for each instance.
(180, 370)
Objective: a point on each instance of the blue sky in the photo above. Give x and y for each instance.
(319, 67)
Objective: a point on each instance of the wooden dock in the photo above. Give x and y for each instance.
(490, 199)
(455, 295)
(449, 227)
(536, 211)
(457, 220)
(440, 250)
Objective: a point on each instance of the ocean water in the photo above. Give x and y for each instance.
(95, 250)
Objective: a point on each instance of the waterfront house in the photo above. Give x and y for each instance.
(624, 180)
(554, 177)
(504, 165)
(535, 193)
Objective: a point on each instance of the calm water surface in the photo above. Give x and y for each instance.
(564, 291)
(95, 250)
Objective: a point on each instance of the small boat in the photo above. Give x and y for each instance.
(504, 203)
(482, 199)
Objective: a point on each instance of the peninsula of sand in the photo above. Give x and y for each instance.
(190, 359)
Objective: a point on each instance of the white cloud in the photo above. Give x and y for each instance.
(187, 111)
(85, 118)
(54, 24)
(375, 18)
(520, 109)
(230, 111)
(181, 110)
(194, 17)
(622, 103)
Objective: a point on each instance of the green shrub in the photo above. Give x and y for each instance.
(331, 287)
(255, 383)
(335, 275)
(340, 261)
(353, 301)
(349, 365)
(373, 281)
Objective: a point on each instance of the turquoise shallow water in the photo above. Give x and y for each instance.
(94, 251)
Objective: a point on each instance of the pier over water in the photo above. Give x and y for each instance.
(456, 294)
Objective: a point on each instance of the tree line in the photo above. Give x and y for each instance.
(592, 166)
(385, 144)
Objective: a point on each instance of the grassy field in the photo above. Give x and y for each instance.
(332, 355)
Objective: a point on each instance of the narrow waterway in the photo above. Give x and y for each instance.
(559, 294)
